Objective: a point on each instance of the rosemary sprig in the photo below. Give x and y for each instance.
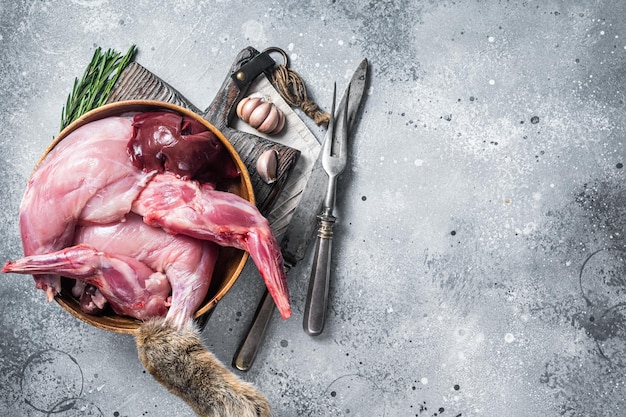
(93, 90)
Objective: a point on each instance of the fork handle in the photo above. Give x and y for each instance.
(317, 296)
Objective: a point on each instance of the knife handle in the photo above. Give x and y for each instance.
(249, 346)
(246, 353)
(317, 296)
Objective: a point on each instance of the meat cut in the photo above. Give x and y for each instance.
(191, 209)
(136, 214)
(85, 179)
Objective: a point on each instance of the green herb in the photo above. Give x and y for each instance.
(93, 90)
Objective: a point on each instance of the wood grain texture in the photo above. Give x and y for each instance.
(137, 83)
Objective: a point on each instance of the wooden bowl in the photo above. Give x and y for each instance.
(230, 261)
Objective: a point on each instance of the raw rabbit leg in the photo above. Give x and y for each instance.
(188, 263)
(191, 209)
(130, 286)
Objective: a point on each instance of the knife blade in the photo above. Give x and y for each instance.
(302, 224)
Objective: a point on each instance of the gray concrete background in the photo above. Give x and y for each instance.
(479, 266)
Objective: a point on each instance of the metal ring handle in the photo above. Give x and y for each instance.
(280, 51)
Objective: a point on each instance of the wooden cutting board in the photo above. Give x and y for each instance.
(136, 82)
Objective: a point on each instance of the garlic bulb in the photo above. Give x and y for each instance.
(267, 166)
(259, 112)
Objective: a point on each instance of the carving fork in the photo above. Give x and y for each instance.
(334, 160)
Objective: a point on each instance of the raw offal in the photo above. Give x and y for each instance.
(168, 142)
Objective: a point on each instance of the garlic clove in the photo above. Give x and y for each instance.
(267, 166)
(280, 125)
(249, 107)
(271, 120)
(258, 115)
(240, 105)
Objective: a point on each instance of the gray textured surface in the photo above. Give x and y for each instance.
(479, 265)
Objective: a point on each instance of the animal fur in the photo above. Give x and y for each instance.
(177, 359)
